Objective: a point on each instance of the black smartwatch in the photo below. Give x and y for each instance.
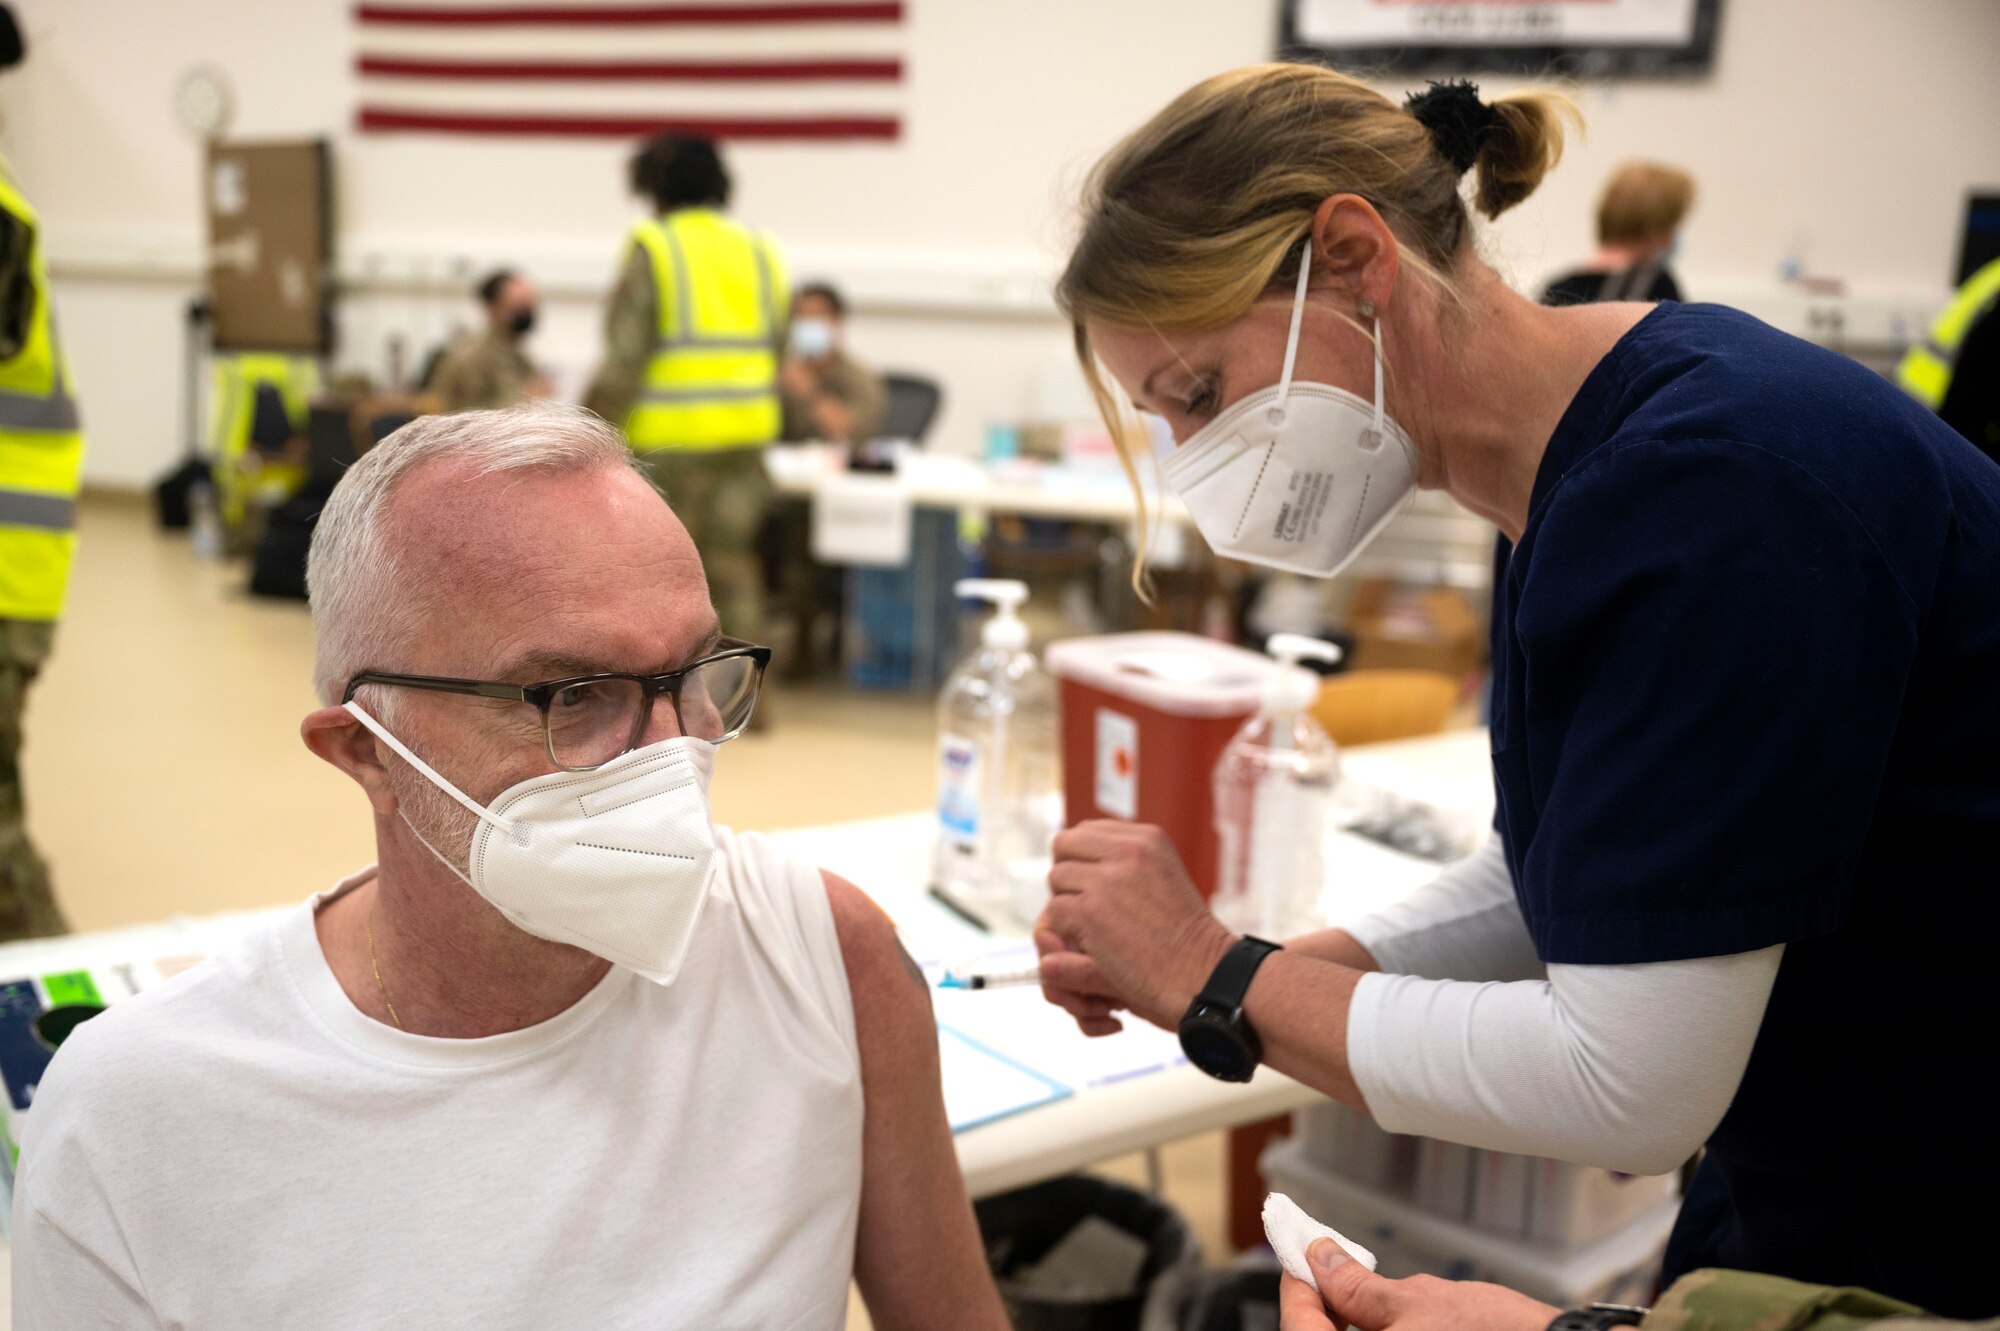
(1216, 1036)
(1598, 1317)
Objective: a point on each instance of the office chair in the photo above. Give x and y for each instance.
(329, 444)
(913, 406)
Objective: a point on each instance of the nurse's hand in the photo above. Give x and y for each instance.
(1350, 1295)
(1124, 928)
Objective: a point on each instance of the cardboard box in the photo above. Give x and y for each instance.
(1399, 626)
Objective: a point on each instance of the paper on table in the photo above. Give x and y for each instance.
(981, 1085)
(1022, 1025)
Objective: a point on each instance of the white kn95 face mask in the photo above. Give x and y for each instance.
(1297, 476)
(617, 861)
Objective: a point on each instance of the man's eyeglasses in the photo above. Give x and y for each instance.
(587, 720)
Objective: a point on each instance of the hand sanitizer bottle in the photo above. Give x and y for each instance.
(999, 783)
(1273, 792)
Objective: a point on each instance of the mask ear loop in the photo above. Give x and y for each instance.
(472, 806)
(1375, 336)
(1277, 413)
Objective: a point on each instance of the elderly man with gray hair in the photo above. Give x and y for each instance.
(568, 1055)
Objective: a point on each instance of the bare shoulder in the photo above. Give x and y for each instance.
(878, 967)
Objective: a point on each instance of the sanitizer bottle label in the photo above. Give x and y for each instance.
(958, 788)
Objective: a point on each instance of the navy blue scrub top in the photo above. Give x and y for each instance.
(1746, 691)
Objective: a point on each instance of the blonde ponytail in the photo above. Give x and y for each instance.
(1522, 144)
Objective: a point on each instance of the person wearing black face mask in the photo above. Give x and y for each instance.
(488, 369)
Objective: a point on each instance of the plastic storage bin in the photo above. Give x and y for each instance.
(1145, 716)
(902, 629)
(1619, 1267)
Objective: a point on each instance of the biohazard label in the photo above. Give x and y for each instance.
(1117, 764)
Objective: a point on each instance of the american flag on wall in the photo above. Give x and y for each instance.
(826, 71)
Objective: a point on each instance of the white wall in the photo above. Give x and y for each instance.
(1850, 127)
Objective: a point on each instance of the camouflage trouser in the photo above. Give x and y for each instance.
(1740, 1301)
(27, 904)
(721, 497)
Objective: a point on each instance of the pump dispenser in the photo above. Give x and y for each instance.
(1273, 794)
(999, 784)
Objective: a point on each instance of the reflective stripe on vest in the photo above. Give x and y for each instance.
(41, 450)
(26, 508)
(53, 411)
(1926, 370)
(712, 379)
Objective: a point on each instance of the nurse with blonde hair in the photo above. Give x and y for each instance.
(1740, 895)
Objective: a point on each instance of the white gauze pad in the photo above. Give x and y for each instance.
(1291, 1231)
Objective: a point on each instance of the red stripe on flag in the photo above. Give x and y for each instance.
(686, 71)
(388, 119)
(627, 15)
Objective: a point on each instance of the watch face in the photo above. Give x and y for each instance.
(1213, 1045)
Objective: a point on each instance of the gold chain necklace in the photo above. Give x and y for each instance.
(376, 966)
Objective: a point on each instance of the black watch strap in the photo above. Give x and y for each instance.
(1598, 1317)
(1230, 979)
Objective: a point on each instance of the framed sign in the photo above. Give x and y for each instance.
(1577, 38)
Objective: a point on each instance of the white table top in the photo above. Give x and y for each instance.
(1025, 487)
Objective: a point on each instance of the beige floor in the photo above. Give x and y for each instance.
(165, 773)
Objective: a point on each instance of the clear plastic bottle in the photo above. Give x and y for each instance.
(999, 782)
(1273, 797)
(205, 521)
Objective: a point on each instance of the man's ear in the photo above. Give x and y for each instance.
(333, 734)
(1355, 248)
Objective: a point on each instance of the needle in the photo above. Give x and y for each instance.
(990, 979)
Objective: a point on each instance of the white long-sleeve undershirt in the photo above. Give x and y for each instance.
(1629, 1067)
(1465, 924)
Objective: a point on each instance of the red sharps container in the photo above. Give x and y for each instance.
(1145, 716)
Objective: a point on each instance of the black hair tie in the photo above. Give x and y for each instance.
(1456, 118)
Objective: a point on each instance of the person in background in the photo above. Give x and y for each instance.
(1705, 1300)
(1955, 371)
(692, 341)
(487, 369)
(827, 394)
(1638, 226)
(41, 461)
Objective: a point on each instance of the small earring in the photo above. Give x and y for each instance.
(1366, 309)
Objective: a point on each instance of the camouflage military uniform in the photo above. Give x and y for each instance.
(846, 381)
(481, 371)
(1741, 1301)
(721, 497)
(27, 904)
(631, 326)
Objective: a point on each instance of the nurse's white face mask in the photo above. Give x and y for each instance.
(616, 861)
(1299, 476)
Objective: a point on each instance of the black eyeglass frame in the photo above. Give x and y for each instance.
(540, 695)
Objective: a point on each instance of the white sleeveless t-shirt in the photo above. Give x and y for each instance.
(242, 1147)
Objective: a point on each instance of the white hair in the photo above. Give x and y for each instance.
(362, 610)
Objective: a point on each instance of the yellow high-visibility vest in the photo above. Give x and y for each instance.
(41, 448)
(721, 292)
(1925, 373)
(237, 378)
